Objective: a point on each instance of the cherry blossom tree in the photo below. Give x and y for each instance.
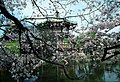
(33, 49)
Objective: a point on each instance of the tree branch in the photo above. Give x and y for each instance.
(34, 2)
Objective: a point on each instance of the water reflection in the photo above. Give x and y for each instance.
(91, 72)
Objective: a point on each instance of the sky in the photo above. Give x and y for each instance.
(76, 8)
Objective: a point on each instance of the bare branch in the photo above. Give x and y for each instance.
(38, 8)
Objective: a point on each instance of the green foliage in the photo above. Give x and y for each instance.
(79, 43)
(66, 40)
(92, 35)
(13, 46)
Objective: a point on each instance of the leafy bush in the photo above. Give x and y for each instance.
(13, 46)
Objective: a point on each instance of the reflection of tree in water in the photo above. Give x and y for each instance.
(112, 71)
(90, 71)
(116, 70)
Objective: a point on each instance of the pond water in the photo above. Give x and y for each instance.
(96, 72)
